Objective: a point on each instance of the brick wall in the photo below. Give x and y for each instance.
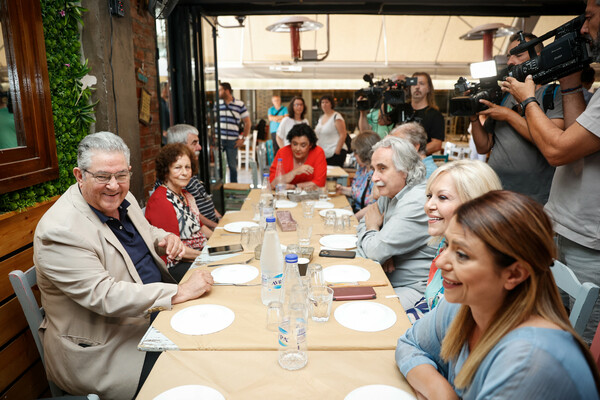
(144, 47)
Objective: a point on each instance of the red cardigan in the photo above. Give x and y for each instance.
(160, 212)
(316, 159)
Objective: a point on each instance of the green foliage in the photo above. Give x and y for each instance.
(71, 108)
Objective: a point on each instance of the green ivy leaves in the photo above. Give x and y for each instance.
(72, 112)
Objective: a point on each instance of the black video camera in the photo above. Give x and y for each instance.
(386, 91)
(569, 53)
(466, 102)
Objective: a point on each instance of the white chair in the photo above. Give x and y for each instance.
(449, 148)
(22, 282)
(585, 295)
(247, 152)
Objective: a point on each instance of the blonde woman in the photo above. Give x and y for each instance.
(501, 330)
(448, 187)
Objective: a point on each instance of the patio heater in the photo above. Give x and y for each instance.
(294, 25)
(488, 32)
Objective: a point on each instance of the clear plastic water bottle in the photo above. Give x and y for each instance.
(266, 185)
(291, 278)
(280, 188)
(271, 264)
(293, 348)
(266, 195)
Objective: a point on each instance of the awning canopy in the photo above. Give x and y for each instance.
(250, 57)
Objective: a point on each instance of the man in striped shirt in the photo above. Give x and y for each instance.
(188, 134)
(232, 113)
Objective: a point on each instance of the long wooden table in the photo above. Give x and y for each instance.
(257, 375)
(247, 344)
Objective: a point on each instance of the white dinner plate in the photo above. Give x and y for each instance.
(339, 242)
(236, 227)
(202, 319)
(338, 212)
(319, 205)
(379, 392)
(345, 273)
(191, 392)
(285, 204)
(365, 316)
(235, 273)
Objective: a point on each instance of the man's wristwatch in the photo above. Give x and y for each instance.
(524, 103)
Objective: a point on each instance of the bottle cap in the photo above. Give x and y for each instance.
(266, 174)
(291, 258)
(270, 219)
(280, 159)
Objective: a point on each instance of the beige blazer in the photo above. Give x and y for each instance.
(96, 306)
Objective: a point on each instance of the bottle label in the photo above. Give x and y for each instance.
(275, 282)
(284, 338)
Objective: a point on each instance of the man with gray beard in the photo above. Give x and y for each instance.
(575, 151)
(393, 231)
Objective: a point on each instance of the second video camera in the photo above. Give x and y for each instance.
(386, 91)
(466, 102)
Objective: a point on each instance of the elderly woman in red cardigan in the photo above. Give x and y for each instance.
(173, 209)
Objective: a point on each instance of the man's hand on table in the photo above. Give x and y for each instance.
(388, 266)
(200, 282)
(173, 246)
(373, 218)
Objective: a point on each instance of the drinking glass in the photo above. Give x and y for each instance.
(323, 196)
(292, 248)
(320, 300)
(338, 225)
(330, 218)
(255, 236)
(314, 272)
(308, 209)
(304, 232)
(245, 237)
(347, 219)
(274, 315)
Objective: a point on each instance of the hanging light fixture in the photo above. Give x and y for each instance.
(294, 25)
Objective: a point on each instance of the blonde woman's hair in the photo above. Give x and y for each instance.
(514, 228)
(472, 178)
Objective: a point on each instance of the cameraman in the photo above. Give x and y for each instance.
(422, 110)
(518, 162)
(369, 120)
(374, 119)
(575, 151)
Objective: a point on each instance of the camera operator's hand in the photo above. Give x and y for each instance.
(362, 98)
(384, 118)
(499, 113)
(519, 90)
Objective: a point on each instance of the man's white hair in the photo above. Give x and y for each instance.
(179, 133)
(99, 142)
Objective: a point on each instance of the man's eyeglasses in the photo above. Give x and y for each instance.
(104, 177)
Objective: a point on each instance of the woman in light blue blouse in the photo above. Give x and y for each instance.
(501, 332)
(361, 189)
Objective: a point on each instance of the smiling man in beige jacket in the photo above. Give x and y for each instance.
(101, 277)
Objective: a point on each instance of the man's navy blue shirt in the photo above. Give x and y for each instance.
(133, 243)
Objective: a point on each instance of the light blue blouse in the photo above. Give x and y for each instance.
(528, 363)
